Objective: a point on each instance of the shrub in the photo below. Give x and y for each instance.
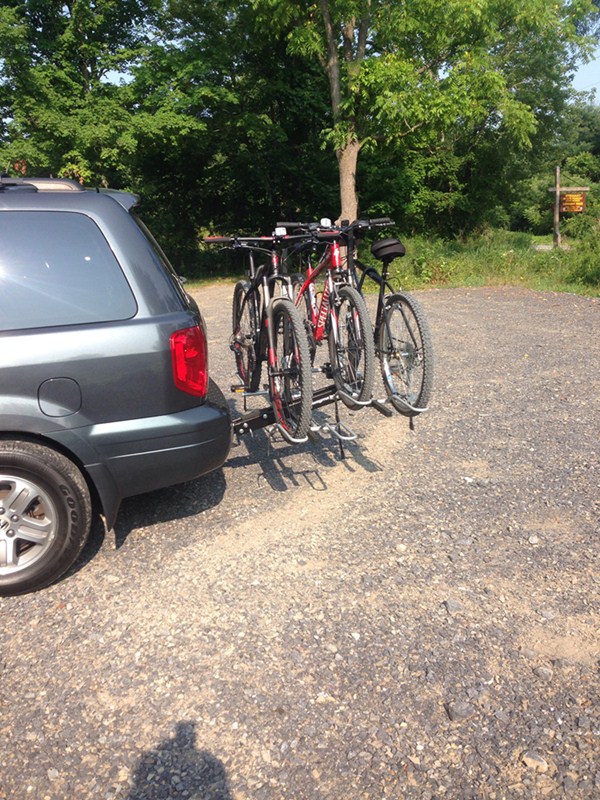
(585, 261)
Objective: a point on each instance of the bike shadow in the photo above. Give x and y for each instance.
(175, 768)
(284, 466)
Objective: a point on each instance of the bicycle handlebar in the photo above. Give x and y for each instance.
(241, 241)
(263, 244)
(305, 233)
(343, 228)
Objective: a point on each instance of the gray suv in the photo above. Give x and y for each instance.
(104, 386)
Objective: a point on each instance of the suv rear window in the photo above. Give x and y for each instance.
(56, 268)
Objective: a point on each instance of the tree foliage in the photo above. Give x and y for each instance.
(60, 112)
(226, 114)
(433, 78)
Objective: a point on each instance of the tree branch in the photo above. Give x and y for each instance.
(332, 66)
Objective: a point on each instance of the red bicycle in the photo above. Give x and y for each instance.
(340, 314)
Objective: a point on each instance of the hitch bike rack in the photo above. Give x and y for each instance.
(260, 418)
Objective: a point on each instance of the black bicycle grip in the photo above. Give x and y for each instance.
(218, 239)
(381, 221)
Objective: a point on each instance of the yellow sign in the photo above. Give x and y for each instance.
(572, 202)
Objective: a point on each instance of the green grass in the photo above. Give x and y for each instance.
(501, 258)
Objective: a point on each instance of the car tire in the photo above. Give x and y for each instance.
(45, 516)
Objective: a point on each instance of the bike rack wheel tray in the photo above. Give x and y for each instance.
(260, 418)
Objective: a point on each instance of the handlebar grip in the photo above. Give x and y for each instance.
(304, 227)
(218, 239)
(369, 223)
(290, 224)
(326, 236)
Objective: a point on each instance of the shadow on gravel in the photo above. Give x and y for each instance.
(176, 769)
(281, 475)
(90, 550)
(162, 505)
(170, 504)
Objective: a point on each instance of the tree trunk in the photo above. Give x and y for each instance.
(347, 160)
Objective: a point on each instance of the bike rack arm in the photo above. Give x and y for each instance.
(263, 417)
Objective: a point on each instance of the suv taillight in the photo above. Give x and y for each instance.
(190, 360)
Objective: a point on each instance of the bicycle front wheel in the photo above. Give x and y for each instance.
(406, 354)
(351, 347)
(290, 373)
(245, 335)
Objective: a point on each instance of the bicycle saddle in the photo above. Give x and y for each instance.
(388, 249)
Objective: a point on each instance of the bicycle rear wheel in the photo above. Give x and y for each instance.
(290, 373)
(406, 354)
(245, 335)
(352, 352)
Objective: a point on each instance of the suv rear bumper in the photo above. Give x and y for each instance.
(141, 455)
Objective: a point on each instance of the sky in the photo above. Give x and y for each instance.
(588, 76)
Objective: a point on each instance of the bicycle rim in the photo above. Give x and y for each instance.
(290, 372)
(406, 354)
(352, 351)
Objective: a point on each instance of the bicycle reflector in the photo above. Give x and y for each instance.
(189, 357)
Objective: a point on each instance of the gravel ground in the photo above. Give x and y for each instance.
(419, 620)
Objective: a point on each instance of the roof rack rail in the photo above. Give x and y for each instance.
(41, 184)
(7, 183)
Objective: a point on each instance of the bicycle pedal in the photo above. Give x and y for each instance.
(238, 388)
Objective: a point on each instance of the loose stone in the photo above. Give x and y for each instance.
(458, 711)
(535, 761)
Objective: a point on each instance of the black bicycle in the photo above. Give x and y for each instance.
(267, 327)
(402, 336)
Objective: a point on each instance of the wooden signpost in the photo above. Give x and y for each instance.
(567, 200)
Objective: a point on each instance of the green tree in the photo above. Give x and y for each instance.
(431, 74)
(228, 125)
(61, 113)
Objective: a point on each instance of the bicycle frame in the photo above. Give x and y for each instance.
(262, 282)
(381, 279)
(321, 312)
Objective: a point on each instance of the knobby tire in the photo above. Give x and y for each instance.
(353, 354)
(290, 380)
(406, 354)
(244, 320)
(303, 305)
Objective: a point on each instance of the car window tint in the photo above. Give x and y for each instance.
(160, 255)
(56, 268)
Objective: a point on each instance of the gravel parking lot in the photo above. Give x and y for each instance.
(419, 620)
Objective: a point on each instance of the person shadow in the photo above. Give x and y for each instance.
(176, 769)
